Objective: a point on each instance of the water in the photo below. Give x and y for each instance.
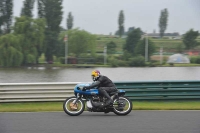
(56, 74)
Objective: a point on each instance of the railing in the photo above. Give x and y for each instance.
(161, 90)
(25, 92)
(141, 90)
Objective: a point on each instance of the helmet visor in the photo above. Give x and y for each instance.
(93, 77)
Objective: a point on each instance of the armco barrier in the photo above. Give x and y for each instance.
(161, 90)
(25, 92)
(139, 90)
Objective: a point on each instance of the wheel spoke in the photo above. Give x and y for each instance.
(122, 106)
(73, 108)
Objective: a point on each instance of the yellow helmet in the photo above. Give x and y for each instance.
(95, 74)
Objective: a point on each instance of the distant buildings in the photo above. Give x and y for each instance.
(174, 35)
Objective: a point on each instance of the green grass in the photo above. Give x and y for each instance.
(182, 105)
(30, 107)
(57, 106)
(58, 64)
(103, 41)
(167, 44)
(181, 65)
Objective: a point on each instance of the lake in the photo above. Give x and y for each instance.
(60, 74)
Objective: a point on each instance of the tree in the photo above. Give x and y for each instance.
(132, 40)
(111, 47)
(189, 39)
(6, 11)
(79, 42)
(31, 33)
(121, 23)
(70, 21)
(51, 10)
(163, 21)
(1, 16)
(140, 48)
(130, 29)
(10, 51)
(27, 8)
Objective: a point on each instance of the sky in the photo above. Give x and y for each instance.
(101, 16)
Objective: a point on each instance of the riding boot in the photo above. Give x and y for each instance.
(109, 100)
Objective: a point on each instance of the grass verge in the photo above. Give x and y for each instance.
(57, 106)
(167, 105)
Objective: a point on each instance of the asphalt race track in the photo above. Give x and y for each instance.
(135, 122)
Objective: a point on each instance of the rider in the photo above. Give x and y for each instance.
(104, 85)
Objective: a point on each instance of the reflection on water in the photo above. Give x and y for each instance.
(57, 74)
(42, 68)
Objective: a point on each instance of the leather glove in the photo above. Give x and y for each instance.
(85, 88)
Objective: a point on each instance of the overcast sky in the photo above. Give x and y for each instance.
(101, 16)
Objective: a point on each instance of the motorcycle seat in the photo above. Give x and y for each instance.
(113, 93)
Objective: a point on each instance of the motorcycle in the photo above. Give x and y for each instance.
(94, 102)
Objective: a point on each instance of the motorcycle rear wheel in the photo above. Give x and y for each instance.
(73, 109)
(124, 108)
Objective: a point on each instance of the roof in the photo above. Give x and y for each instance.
(178, 58)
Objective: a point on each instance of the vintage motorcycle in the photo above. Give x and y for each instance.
(75, 105)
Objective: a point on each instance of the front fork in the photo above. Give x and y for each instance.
(77, 97)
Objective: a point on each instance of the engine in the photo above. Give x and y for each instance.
(89, 104)
(95, 99)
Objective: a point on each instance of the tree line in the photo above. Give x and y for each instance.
(25, 41)
(28, 38)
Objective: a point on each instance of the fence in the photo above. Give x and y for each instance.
(161, 90)
(141, 90)
(25, 92)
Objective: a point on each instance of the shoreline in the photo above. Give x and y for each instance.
(93, 66)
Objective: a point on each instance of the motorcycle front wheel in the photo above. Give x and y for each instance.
(73, 109)
(122, 106)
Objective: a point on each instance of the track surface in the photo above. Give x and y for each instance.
(135, 122)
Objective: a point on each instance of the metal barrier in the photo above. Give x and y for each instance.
(161, 90)
(141, 90)
(27, 92)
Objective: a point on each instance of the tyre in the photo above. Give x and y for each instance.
(73, 109)
(123, 106)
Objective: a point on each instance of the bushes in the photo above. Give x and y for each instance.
(153, 63)
(131, 62)
(118, 63)
(62, 60)
(83, 60)
(137, 61)
(114, 62)
(195, 59)
(99, 59)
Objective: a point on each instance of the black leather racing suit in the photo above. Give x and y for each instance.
(103, 83)
(105, 86)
